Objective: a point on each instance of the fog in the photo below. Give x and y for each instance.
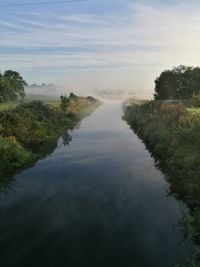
(107, 84)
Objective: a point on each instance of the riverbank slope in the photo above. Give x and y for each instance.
(28, 128)
(171, 132)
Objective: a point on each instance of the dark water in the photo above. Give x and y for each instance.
(97, 202)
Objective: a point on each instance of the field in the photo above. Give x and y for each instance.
(54, 101)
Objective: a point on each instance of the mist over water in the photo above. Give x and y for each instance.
(55, 91)
(98, 202)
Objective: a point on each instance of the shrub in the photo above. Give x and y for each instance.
(13, 155)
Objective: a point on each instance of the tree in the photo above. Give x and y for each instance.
(5, 89)
(11, 86)
(64, 102)
(17, 84)
(165, 85)
(72, 96)
(181, 82)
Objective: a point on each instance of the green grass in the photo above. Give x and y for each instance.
(7, 106)
(194, 111)
(42, 98)
(51, 100)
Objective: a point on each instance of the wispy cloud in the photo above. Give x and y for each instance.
(144, 38)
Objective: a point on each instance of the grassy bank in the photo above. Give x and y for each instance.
(171, 132)
(26, 129)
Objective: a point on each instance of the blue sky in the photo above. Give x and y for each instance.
(117, 44)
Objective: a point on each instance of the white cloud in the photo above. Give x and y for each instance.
(145, 41)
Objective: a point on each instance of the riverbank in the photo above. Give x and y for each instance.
(171, 132)
(102, 193)
(28, 128)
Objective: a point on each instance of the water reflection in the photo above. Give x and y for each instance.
(7, 181)
(100, 202)
(66, 137)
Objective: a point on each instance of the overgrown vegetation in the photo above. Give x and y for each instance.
(64, 102)
(26, 129)
(171, 131)
(13, 154)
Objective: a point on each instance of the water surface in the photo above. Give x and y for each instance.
(99, 202)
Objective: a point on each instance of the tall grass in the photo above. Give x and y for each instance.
(171, 133)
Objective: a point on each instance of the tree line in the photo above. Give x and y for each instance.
(181, 82)
(11, 86)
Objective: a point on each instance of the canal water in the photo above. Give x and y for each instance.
(97, 202)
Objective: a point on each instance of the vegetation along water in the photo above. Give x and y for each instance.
(28, 129)
(170, 128)
(102, 200)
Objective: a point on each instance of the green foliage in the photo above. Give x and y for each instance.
(27, 127)
(30, 127)
(179, 83)
(194, 111)
(172, 135)
(11, 86)
(13, 155)
(33, 124)
(8, 105)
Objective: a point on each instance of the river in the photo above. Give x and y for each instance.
(97, 202)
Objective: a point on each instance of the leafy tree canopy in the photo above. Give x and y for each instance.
(11, 86)
(181, 82)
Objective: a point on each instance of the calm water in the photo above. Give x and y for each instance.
(99, 202)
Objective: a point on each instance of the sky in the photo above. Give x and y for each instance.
(99, 44)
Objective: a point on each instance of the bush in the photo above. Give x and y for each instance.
(13, 155)
(32, 127)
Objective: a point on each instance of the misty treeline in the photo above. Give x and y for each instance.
(11, 86)
(181, 82)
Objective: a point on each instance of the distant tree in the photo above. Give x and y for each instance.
(179, 83)
(72, 96)
(17, 84)
(91, 98)
(11, 86)
(64, 102)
